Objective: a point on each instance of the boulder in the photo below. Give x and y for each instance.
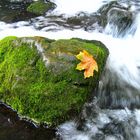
(18, 10)
(23, 10)
(40, 7)
(38, 76)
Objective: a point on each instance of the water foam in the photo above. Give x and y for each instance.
(124, 59)
(71, 7)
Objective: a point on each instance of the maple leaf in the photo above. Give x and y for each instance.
(87, 63)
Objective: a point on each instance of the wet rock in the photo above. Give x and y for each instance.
(23, 10)
(18, 10)
(40, 7)
(12, 127)
(120, 19)
(38, 77)
(121, 129)
(116, 16)
(117, 92)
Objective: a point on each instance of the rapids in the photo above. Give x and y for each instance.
(114, 113)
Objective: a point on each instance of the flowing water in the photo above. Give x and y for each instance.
(114, 113)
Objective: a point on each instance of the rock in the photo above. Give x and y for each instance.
(38, 77)
(120, 19)
(23, 10)
(14, 128)
(117, 16)
(40, 7)
(18, 10)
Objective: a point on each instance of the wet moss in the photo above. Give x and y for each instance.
(40, 7)
(51, 91)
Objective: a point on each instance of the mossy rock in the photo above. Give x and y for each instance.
(38, 76)
(40, 7)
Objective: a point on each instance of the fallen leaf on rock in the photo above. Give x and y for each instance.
(87, 63)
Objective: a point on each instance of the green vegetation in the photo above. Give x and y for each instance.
(51, 91)
(39, 7)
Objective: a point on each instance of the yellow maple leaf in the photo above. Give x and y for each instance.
(87, 63)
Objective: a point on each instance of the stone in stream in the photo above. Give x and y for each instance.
(117, 16)
(38, 77)
(40, 7)
(23, 10)
(18, 10)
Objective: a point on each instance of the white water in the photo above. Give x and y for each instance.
(71, 7)
(124, 60)
(95, 126)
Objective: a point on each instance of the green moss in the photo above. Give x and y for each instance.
(39, 7)
(52, 92)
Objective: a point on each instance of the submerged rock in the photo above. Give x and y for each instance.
(114, 15)
(38, 76)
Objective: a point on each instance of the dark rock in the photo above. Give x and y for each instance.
(12, 127)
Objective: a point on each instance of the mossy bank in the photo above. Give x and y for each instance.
(38, 76)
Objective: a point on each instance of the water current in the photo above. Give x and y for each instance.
(114, 113)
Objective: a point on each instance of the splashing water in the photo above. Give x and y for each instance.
(77, 6)
(107, 117)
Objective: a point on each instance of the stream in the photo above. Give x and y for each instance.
(114, 112)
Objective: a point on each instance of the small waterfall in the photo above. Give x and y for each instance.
(120, 84)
